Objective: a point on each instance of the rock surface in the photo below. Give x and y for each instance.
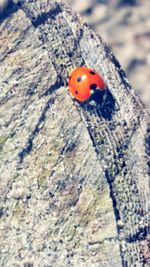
(74, 180)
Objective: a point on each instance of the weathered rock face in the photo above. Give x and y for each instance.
(74, 178)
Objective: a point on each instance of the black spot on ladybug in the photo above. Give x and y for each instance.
(70, 78)
(76, 92)
(92, 72)
(93, 86)
(79, 79)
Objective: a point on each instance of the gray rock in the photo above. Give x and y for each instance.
(74, 178)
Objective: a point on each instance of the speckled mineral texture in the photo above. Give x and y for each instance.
(73, 178)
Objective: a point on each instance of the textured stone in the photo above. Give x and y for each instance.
(74, 178)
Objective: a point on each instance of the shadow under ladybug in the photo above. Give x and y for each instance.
(104, 103)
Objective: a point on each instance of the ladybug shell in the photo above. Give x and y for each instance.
(83, 82)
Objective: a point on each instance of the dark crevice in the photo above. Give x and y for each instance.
(140, 235)
(107, 239)
(28, 148)
(68, 148)
(114, 202)
(8, 9)
(43, 17)
(147, 148)
(54, 86)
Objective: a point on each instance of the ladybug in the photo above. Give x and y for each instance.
(84, 82)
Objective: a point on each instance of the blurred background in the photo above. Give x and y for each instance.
(125, 26)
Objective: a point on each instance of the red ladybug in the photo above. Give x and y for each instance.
(83, 83)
